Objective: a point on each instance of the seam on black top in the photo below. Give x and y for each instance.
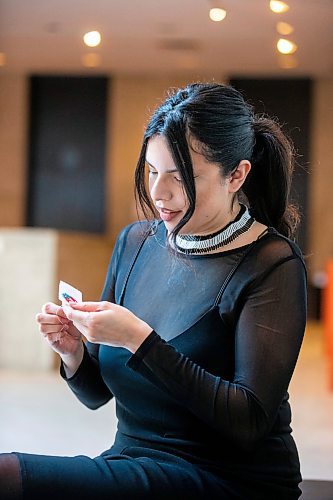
(139, 245)
(273, 267)
(293, 247)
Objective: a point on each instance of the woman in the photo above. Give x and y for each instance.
(200, 324)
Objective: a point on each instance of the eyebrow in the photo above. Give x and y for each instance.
(168, 171)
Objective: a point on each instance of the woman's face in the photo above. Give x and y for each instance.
(214, 194)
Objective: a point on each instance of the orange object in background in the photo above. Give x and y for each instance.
(328, 320)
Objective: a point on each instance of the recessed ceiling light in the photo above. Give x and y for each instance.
(286, 46)
(278, 7)
(92, 38)
(284, 28)
(217, 14)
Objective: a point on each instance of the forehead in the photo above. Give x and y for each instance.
(158, 151)
(159, 154)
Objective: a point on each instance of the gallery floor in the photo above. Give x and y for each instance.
(40, 415)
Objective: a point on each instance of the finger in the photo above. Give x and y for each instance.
(50, 329)
(54, 337)
(78, 317)
(74, 333)
(51, 319)
(83, 330)
(90, 306)
(51, 308)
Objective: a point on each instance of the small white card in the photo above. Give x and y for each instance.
(68, 293)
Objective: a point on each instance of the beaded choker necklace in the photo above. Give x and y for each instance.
(195, 244)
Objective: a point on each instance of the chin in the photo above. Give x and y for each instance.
(170, 226)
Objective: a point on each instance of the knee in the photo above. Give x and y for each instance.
(10, 477)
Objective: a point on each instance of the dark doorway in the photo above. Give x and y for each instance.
(67, 153)
(290, 101)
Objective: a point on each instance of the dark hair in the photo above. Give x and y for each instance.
(227, 131)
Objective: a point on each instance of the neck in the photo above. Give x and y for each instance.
(215, 224)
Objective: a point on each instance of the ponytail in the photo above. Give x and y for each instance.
(267, 186)
(217, 116)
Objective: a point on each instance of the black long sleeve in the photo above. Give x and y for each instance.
(268, 336)
(209, 389)
(229, 371)
(87, 383)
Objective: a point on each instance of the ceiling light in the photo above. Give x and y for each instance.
(91, 60)
(278, 7)
(2, 59)
(92, 38)
(217, 14)
(286, 46)
(284, 28)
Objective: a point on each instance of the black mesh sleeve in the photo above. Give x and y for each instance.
(268, 337)
(87, 383)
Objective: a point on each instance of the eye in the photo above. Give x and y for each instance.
(151, 172)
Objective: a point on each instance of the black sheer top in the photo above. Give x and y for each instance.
(210, 382)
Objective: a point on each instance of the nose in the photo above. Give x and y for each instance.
(160, 188)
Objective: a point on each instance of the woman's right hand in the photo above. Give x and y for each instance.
(59, 331)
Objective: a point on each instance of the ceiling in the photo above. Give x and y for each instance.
(164, 37)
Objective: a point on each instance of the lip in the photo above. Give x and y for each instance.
(167, 215)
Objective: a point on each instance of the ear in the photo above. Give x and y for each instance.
(238, 176)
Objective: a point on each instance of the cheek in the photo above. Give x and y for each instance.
(183, 196)
(203, 197)
(208, 200)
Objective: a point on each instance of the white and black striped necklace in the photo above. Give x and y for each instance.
(196, 244)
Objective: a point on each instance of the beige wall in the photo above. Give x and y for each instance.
(27, 270)
(13, 143)
(321, 185)
(130, 103)
(82, 260)
(31, 263)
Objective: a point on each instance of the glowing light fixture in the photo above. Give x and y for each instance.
(284, 28)
(217, 14)
(92, 38)
(278, 7)
(3, 59)
(91, 60)
(286, 46)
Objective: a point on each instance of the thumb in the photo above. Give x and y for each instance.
(89, 306)
(78, 316)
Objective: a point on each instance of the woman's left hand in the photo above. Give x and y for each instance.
(109, 324)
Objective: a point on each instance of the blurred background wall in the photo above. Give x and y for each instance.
(72, 117)
(129, 102)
